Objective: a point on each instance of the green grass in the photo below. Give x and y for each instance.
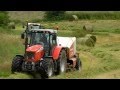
(103, 58)
(25, 15)
(112, 74)
(96, 15)
(19, 76)
(10, 45)
(82, 15)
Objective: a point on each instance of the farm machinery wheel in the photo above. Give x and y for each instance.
(17, 64)
(46, 68)
(78, 64)
(62, 63)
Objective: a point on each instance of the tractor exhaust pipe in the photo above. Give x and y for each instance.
(26, 38)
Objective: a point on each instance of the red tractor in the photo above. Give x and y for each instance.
(46, 54)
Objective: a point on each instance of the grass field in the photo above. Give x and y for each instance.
(82, 15)
(25, 15)
(101, 61)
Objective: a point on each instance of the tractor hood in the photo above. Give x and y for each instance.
(34, 48)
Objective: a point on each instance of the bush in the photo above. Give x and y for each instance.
(54, 15)
(4, 18)
(11, 25)
(36, 20)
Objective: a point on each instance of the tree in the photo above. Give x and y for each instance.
(4, 18)
(54, 15)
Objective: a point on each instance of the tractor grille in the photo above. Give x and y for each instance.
(28, 66)
(30, 55)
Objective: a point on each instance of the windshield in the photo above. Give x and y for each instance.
(39, 38)
(35, 27)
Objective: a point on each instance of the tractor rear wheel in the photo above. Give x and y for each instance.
(62, 62)
(46, 68)
(78, 64)
(17, 64)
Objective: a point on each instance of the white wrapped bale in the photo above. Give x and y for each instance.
(91, 36)
(81, 41)
(75, 17)
(88, 28)
(86, 41)
(89, 42)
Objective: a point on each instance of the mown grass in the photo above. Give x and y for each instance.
(91, 15)
(102, 58)
(10, 45)
(115, 74)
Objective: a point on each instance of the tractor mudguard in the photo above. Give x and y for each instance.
(20, 56)
(56, 52)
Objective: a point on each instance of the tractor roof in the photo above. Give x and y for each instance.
(33, 24)
(48, 30)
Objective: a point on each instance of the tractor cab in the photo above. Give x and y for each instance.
(44, 37)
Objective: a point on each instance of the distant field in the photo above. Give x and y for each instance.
(89, 15)
(25, 15)
(101, 61)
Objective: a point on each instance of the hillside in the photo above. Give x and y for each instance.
(34, 15)
(101, 61)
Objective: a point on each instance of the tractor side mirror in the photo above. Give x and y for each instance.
(22, 36)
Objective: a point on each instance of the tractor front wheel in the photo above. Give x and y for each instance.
(46, 68)
(17, 64)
